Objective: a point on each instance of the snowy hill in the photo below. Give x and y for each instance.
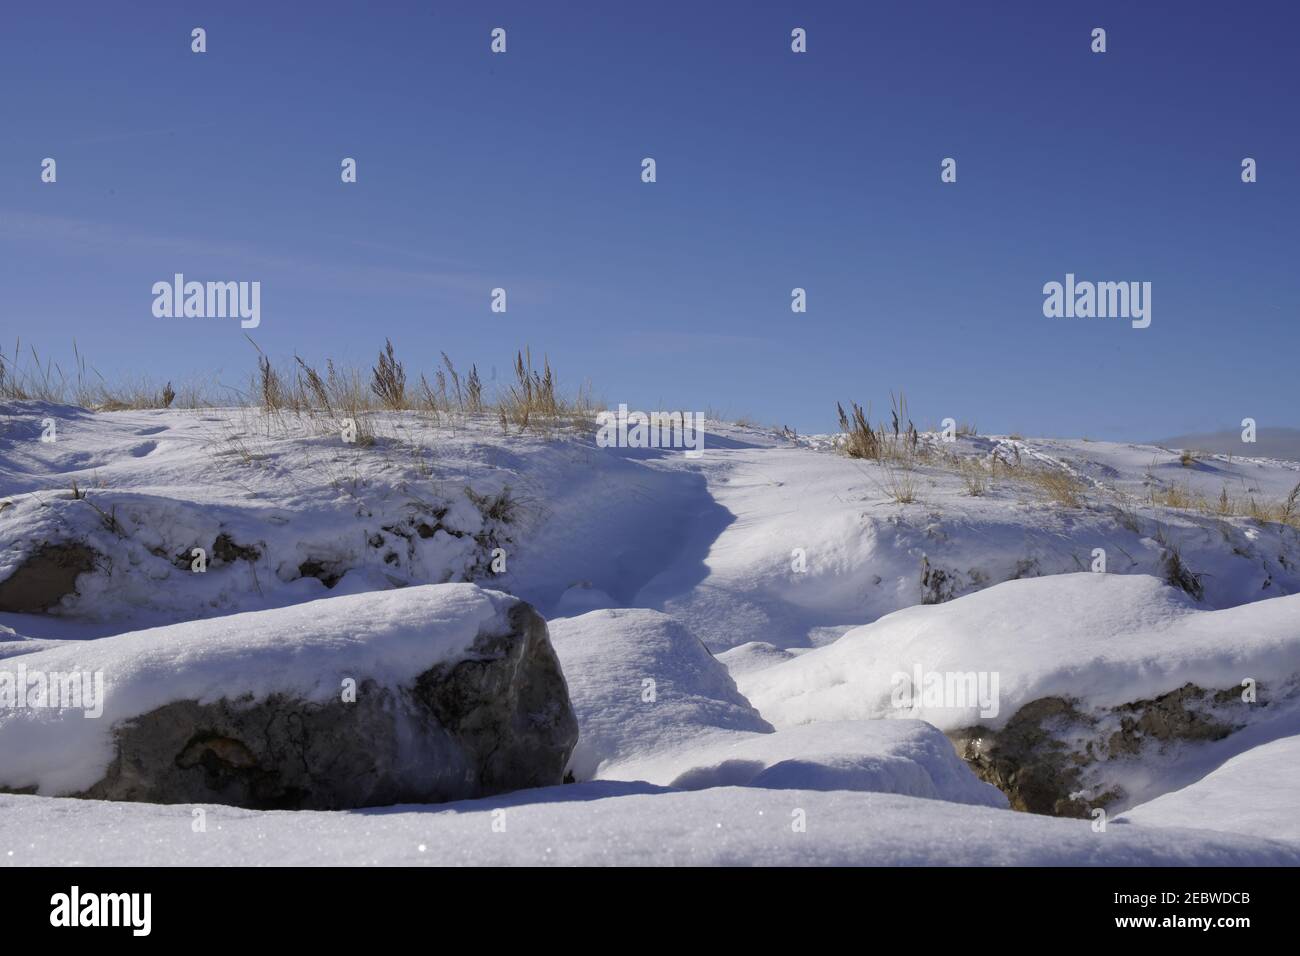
(731, 628)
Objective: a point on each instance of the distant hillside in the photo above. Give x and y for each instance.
(1270, 443)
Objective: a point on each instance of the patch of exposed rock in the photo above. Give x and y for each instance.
(494, 720)
(45, 577)
(1056, 757)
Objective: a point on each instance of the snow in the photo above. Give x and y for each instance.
(12, 643)
(707, 540)
(770, 590)
(304, 651)
(887, 756)
(1106, 639)
(653, 704)
(606, 823)
(642, 684)
(1256, 792)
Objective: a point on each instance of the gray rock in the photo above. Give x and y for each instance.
(1054, 756)
(498, 719)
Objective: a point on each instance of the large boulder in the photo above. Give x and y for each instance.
(420, 695)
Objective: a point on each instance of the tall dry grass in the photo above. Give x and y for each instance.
(25, 375)
(327, 395)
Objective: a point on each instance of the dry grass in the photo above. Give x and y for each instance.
(389, 379)
(1289, 513)
(327, 397)
(1127, 515)
(1286, 512)
(1056, 485)
(24, 375)
(973, 475)
(891, 443)
(860, 440)
(899, 484)
(1182, 498)
(532, 399)
(1179, 497)
(883, 442)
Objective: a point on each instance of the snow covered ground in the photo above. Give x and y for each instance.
(1254, 792)
(610, 824)
(731, 629)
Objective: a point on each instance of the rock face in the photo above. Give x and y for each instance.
(455, 693)
(1054, 756)
(495, 721)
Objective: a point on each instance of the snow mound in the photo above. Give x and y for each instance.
(753, 655)
(699, 732)
(886, 756)
(1104, 639)
(642, 684)
(1256, 792)
(305, 651)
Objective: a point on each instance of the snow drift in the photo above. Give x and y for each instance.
(1100, 638)
(653, 704)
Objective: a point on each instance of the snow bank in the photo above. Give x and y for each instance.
(1256, 792)
(817, 542)
(304, 651)
(603, 824)
(1105, 639)
(284, 510)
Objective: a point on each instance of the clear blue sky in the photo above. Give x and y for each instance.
(775, 170)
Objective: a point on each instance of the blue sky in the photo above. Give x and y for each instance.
(775, 170)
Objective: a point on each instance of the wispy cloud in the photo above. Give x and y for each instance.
(191, 253)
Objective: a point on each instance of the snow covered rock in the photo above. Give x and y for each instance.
(142, 518)
(654, 705)
(1060, 690)
(641, 684)
(424, 694)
